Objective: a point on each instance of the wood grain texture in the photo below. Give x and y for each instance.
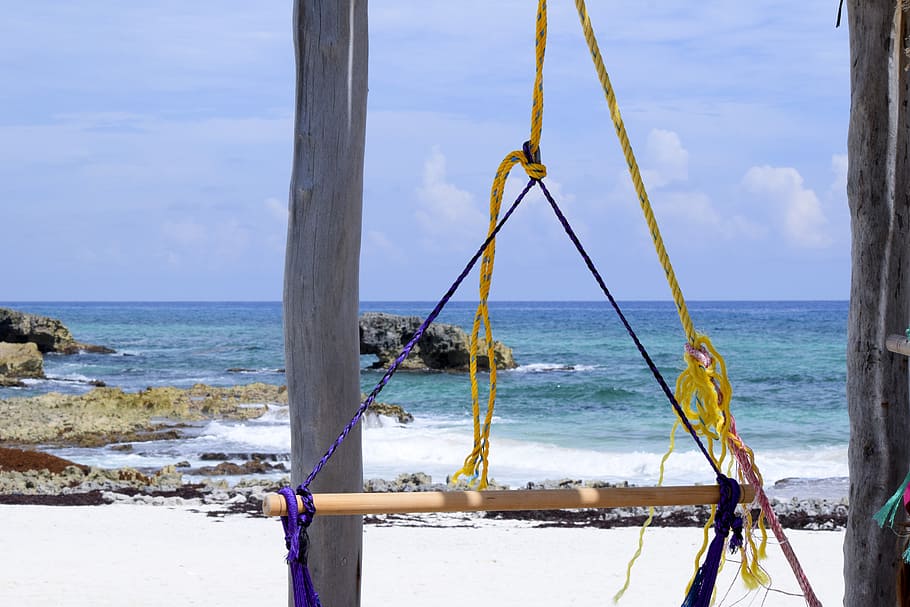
(877, 380)
(339, 504)
(321, 292)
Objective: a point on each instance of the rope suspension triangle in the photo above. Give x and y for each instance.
(700, 401)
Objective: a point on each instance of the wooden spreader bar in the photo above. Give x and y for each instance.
(337, 504)
(899, 344)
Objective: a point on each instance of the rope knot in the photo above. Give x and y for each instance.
(531, 161)
(700, 354)
(296, 524)
(297, 541)
(726, 517)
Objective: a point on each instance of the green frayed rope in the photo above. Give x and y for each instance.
(889, 510)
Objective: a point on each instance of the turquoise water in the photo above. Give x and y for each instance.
(581, 403)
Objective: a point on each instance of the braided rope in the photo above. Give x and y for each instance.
(634, 171)
(476, 464)
(701, 586)
(703, 387)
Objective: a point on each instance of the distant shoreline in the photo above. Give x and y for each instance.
(412, 302)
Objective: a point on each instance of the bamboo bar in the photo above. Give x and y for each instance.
(898, 344)
(337, 504)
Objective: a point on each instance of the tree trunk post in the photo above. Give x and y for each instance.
(877, 380)
(321, 281)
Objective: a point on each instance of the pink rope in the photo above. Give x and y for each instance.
(748, 471)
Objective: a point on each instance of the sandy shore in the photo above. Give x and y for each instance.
(147, 555)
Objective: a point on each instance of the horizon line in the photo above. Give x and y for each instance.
(405, 301)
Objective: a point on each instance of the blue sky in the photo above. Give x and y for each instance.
(145, 149)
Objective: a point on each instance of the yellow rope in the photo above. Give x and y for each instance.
(476, 464)
(703, 388)
(604, 78)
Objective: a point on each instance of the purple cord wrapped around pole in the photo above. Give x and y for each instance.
(295, 536)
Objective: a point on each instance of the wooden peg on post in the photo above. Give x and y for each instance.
(899, 344)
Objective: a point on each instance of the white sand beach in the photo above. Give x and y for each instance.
(153, 555)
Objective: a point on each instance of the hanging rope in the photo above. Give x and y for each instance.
(701, 401)
(723, 517)
(703, 387)
(296, 523)
(476, 464)
(295, 538)
(406, 351)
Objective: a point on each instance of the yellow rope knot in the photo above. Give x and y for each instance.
(530, 161)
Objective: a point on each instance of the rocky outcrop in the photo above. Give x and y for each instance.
(18, 361)
(442, 347)
(49, 334)
(110, 415)
(396, 412)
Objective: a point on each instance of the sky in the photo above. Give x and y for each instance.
(145, 149)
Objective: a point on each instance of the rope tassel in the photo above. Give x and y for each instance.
(887, 513)
(295, 536)
(702, 587)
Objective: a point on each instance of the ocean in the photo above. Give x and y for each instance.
(581, 404)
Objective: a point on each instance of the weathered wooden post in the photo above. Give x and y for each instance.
(321, 274)
(877, 380)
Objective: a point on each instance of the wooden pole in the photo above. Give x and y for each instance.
(337, 504)
(321, 274)
(877, 381)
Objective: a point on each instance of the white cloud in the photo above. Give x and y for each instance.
(667, 174)
(695, 211)
(447, 215)
(804, 221)
(377, 243)
(668, 160)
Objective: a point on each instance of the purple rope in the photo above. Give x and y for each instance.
(295, 537)
(295, 524)
(725, 519)
(644, 353)
(414, 339)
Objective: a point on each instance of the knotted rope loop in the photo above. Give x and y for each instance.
(726, 517)
(531, 162)
(700, 354)
(753, 575)
(297, 541)
(476, 464)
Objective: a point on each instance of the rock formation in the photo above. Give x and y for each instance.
(442, 347)
(49, 334)
(109, 415)
(18, 361)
